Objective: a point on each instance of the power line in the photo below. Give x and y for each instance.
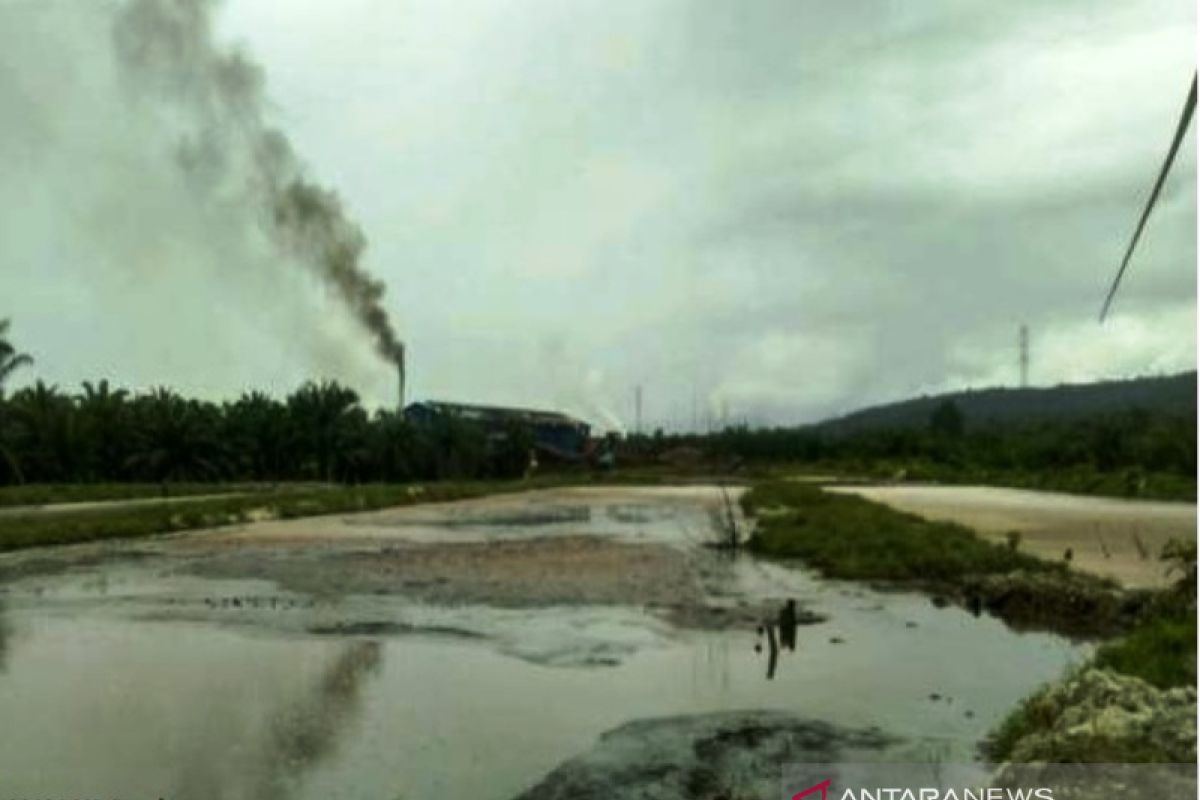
(1189, 107)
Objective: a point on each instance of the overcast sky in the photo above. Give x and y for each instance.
(776, 210)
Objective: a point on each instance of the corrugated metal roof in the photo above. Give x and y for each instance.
(499, 413)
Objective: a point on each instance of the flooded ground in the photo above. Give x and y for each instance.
(388, 655)
(1119, 539)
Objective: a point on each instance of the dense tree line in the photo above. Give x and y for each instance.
(318, 432)
(1130, 439)
(322, 432)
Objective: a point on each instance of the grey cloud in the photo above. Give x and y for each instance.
(786, 208)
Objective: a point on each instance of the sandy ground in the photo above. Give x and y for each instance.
(551, 570)
(637, 547)
(1119, 539)
(632, 546)
(603, 510)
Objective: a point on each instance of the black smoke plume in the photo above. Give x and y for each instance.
(167, 55)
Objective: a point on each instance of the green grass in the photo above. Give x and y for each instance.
(1160, 651)
(35, 530)
(849, 537)
(1037, 714)
(282, 501)
(37, 494)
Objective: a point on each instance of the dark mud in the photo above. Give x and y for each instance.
(535, 572)
(1068, 603)
(560, 570)
(390, 628)
(703, 757)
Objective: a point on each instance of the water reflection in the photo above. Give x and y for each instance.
(523, 517)
(305, 734)
(780, 633)
(298, 736)
(243, 707)
(5, 633)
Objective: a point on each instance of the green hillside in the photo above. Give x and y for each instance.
(1173, 395)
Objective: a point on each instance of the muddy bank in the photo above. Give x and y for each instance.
(852, 538)
(702, 757)
(567, 570)
(1065, 602)
(526, 573)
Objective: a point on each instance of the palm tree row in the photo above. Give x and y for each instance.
(318, 432)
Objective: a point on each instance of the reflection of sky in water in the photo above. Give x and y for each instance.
(192, 710)
(122, 709)
(672, 515)
(129, 682)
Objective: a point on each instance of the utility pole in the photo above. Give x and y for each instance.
(1024, 356)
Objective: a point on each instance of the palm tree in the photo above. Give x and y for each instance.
(320, 415)
(104, 429)
(10, 362)
(44, 428)
(177, 439)
(256, 427)
(10, 359)
(398, 452)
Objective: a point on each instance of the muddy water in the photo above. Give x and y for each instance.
(137, 677)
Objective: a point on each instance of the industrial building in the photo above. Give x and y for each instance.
(553, 433)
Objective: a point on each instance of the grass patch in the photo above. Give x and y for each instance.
(845, 536)
(36, 530)
(281, 501)
(1040, 713)
(1160, 651)
(40, 494)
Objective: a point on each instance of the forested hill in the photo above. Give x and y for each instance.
(1173, 395)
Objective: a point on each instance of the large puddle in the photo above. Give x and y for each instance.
(145, 677)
